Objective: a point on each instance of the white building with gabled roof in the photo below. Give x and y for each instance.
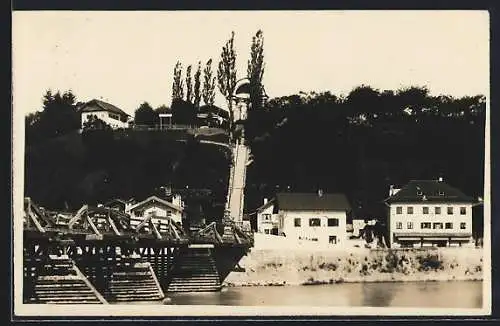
(110, 114)
(161, 210)
(429, 213)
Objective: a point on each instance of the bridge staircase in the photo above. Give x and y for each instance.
(195, 271)
(57, 280)
(132, 279)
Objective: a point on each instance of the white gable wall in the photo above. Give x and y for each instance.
(323, 233)
(160, 211)
(104, 116)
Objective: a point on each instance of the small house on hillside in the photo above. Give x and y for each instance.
(306, 216)
(160, 210)
(212, 116)
(429, 213)
(110, 114)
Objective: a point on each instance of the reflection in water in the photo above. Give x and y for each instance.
(411, 294)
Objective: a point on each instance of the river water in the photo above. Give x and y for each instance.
(459, 294)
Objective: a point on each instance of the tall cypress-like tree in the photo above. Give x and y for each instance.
(226, 75)
(177, 86)
(208, 92)
(189, 85)
(255, 69)
(197, 86)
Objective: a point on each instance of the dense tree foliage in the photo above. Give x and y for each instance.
(58, 116)
(183, 112)
(99, 165)
(145, 115)
(363, 143)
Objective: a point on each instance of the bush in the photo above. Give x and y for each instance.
(429, 262)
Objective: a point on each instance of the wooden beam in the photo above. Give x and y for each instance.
(36, 222)
(113, 226)
(77, 216)
(94, 228)
(155, 230)
(172, 227)
(236, 237)
(141, 225)
(217, 235)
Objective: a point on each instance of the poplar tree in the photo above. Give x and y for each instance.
(208, 92)
(197, 86)
(189, 85)
(255, 69)
(177, 86)
(226, 75)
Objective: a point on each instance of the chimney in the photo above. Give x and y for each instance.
(265, 201)
(393, 190)
(320, 192)
(168, 190)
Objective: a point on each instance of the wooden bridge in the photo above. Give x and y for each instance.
(96, 256)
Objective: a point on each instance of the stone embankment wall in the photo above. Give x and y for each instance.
(295, 267)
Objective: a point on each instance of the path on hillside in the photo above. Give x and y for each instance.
(236, 189)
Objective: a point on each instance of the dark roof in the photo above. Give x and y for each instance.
(430, 191)
(312, 201)
(214, 109)
(101, 105)
(266, 205)
(243, 89)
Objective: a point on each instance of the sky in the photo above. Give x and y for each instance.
(126, 58)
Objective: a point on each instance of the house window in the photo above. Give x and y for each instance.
(296, 222)
(333, 222)
(399, 210)
(139, 213)
(437, 210)
(267, 217)
(169, 213)
(399, 225)
(314, 222)
(449, 210)
(409, 225)
(463, 210)
(448, 225)
(437, 226)
(266, 231)
(425, 210)
(425, 225)
(462, 226)
(332, 239)
(409, 210)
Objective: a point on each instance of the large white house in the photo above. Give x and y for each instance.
(429, 213)
(306, 216)
(160, 210)
(110, 114)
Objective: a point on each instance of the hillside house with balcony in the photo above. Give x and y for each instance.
(306, 216)
(429, 213)
(161, 211)
(110, 114)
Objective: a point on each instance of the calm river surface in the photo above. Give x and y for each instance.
(458, 294)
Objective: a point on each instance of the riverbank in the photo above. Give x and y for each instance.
(281, 267)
